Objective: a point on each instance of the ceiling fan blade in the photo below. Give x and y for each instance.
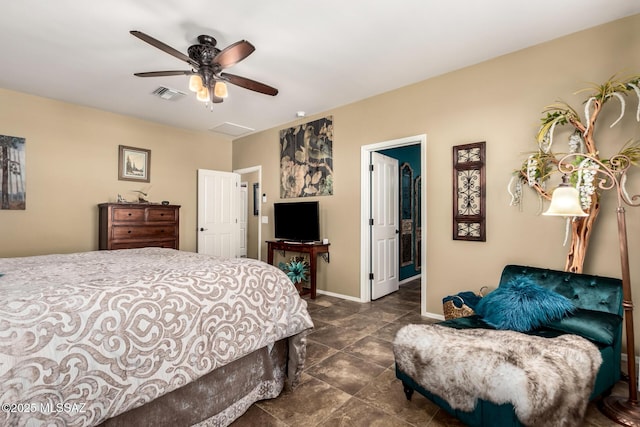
(164, 47)
(163, 73)
(233, 54)
(249, 84)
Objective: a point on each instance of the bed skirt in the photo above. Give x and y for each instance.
(221, 396)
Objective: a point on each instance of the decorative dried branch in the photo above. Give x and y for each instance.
(539, 166)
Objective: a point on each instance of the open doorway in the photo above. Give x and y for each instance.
(366, 215)
(252, 176)
(409, 186)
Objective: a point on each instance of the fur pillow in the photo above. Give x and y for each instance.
(522, 305)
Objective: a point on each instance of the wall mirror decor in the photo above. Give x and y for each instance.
(417, 203)
(406, 215)
(469, 192)
(256, 199)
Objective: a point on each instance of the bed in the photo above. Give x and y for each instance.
(144, 337)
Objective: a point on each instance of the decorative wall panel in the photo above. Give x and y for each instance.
(469, 192)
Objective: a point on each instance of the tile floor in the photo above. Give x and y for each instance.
(349, 377)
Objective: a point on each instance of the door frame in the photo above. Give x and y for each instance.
(258, 169)
(365, 213)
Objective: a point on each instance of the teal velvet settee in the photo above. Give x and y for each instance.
(594, 295)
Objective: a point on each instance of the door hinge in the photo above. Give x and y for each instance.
(370, 276)
(371, 221)
(370, 168)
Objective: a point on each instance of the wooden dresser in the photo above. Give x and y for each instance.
(138, 225)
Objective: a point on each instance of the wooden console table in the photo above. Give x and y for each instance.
(313, 249)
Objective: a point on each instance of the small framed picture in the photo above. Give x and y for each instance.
(134, 164)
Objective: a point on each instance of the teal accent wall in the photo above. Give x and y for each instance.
(409, 154)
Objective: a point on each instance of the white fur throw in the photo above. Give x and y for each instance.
(547, 380)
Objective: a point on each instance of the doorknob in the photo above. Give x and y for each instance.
(397, 231)
(203, 229)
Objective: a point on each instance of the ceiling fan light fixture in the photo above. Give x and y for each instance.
(203, 94)
(220, 90)
(207, 62)
(195, 83)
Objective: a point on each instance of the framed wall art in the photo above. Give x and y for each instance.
(306, 159)
(469, 193)
(13, 193)
(134, 164)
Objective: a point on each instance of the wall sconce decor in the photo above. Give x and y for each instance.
(469, 192)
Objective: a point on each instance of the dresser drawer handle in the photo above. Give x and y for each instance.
(162, 214)
(129, 231)
(129, 214)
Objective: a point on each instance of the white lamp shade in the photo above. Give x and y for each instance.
(195, 83)
(220, 90)
(565, 201)
(203, 94)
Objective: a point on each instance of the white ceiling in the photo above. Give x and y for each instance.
(319, 54)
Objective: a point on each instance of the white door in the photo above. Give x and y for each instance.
(243, 215)
(218, 206)
(384, 229)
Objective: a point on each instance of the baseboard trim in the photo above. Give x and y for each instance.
(623, 360)
(333, 294)
(356, 299)
(410, 279)
(433, 316)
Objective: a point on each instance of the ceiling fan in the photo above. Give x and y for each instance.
(207, 63)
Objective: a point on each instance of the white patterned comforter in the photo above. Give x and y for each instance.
(86, 336)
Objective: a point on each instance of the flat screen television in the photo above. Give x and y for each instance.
(297, 221)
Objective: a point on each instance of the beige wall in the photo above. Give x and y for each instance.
(500, 102)
(71, 166)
